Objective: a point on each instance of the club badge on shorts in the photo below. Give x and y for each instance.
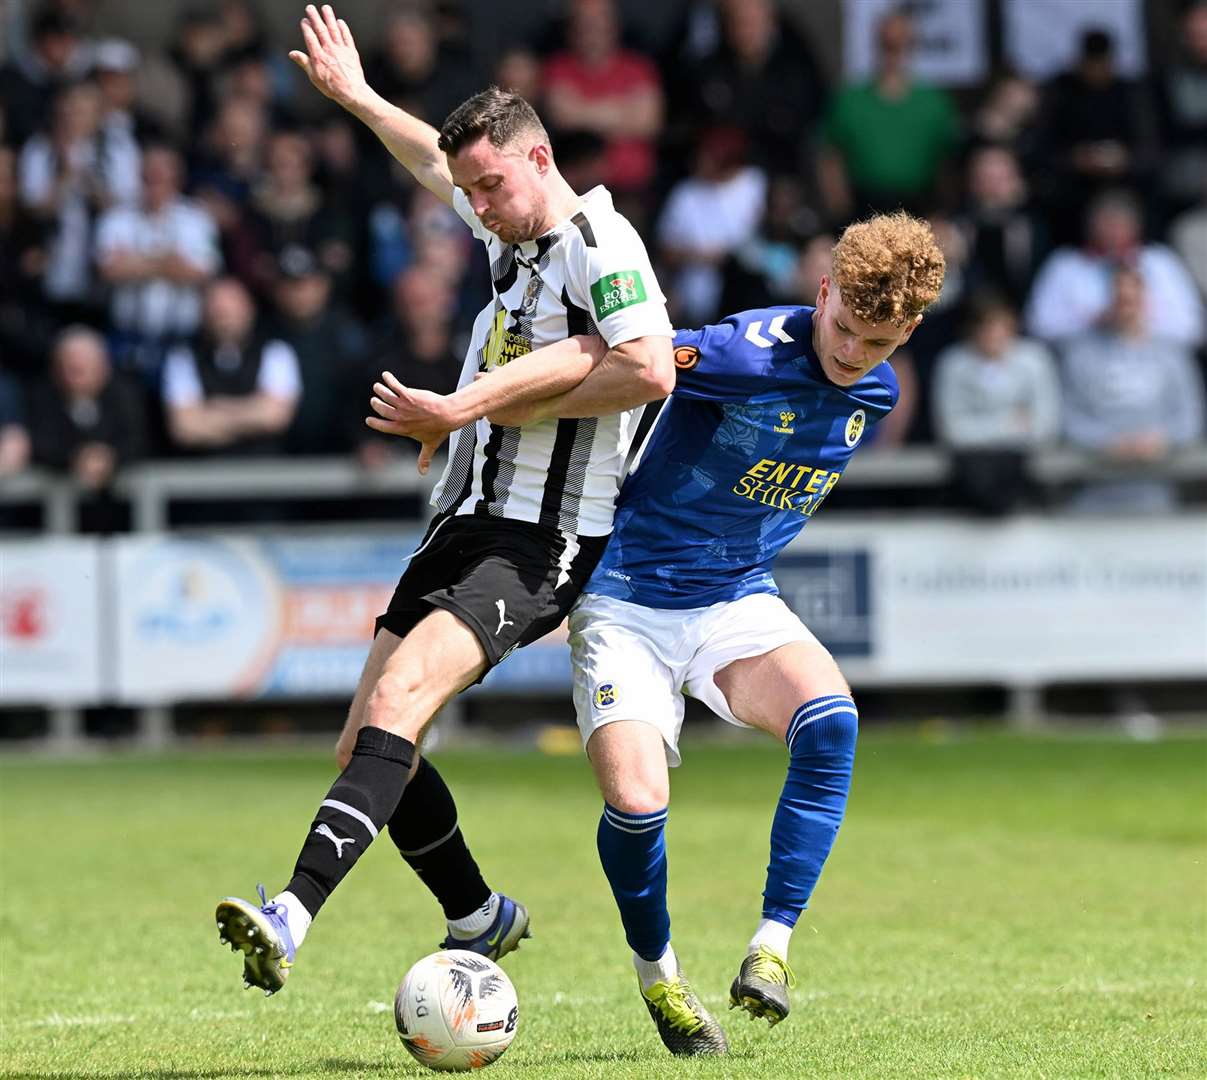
(605, 695)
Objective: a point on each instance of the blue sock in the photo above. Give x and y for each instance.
(632, 849)
(821, 754)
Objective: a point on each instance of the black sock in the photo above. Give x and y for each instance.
(424, 827)
(356, 808)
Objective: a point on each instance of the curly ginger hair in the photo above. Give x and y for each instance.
(888, 268)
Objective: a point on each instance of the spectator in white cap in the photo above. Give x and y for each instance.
(115, 67)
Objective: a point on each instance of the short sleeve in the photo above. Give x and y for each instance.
(197, 240)
(279, 375)
(112, 232)
(181, 383)
(614, 281)
(711, 365)
(466, 213)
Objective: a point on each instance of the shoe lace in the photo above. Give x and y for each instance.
(673, 1001)
(266, 907)
(771, 967)
(281, 913)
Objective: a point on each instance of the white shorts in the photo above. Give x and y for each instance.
(636, 663)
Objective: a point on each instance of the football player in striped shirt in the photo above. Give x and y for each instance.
(523, 510)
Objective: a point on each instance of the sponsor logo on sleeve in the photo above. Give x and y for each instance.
(686, 357)
(615, 292)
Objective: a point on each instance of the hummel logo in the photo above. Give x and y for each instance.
(338, 841)
(503, 619)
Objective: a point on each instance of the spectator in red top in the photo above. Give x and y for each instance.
(597, 86)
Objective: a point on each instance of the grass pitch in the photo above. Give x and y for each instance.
(995, 907)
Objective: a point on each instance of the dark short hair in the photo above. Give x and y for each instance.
(1097, 43)
(500, 115)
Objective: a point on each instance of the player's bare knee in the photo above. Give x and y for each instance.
(392, 705)
(641, 795)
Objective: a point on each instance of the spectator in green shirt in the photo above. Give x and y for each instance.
(884, 141)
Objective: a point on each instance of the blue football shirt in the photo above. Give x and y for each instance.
(743, 453)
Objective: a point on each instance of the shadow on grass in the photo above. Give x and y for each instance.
(363, 1067)
(329, 1066)
(633, 1055)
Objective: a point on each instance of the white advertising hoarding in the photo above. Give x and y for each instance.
(1028, 600)
(50, 630)
(898, 601)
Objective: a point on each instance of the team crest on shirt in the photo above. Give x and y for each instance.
(855, 426)
(785, 425)
(531, 293)
(605, 695)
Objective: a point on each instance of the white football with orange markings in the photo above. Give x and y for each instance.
(456, 1011)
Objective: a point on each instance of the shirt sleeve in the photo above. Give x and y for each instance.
(181, 383)
(279, 373)
(1185, 410)
(711, 364)
(466, 213)
(113, 233)
(614, 282)
(197, 240)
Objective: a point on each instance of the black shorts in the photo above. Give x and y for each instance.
(510, 582)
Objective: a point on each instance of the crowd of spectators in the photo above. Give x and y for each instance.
(198, 257)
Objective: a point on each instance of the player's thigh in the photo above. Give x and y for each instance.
(436, 659)
(620, 676)
(629, 761)
(755, 658)
(765, 691)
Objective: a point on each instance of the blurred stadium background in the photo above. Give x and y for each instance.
(1027, 539)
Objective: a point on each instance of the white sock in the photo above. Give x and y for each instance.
(476, 922)
(296, 916)
(665, 968)
(775, 935)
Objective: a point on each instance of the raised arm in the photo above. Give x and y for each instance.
(333, 65)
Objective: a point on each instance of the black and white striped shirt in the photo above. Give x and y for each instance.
(588, 275)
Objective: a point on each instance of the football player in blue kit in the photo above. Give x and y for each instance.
(768, 408)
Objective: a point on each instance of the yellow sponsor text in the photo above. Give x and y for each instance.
(786, 485)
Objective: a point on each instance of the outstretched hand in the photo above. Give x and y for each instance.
(331, 60)
(418, 414)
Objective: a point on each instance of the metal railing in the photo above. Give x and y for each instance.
(153, 486)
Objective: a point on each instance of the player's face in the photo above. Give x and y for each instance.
(505, 186)
(848, 346)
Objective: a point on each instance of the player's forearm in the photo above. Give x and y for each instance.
(632, 374)
(529, 380)
(411, 141)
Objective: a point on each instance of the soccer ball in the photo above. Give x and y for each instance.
(456, 1011)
